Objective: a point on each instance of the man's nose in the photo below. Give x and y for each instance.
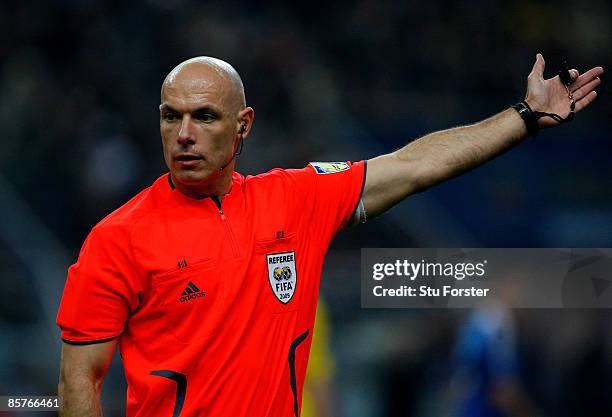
(186, 134)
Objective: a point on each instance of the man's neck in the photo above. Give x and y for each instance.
(220, 187)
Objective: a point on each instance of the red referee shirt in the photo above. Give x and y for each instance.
(214, 306)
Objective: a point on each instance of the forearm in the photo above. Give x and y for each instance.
(437, 157)
(82, 372)
(80, 398)
(445, 154)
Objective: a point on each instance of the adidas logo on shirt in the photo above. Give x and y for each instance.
(191, 292)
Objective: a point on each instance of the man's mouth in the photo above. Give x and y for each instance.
(188, 160)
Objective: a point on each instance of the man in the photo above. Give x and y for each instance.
(208, 280)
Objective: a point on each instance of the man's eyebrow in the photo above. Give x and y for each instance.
(207, 108)
(168, 108)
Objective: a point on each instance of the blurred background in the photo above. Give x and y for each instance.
(79, 91)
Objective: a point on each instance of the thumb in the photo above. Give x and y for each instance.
(574, 74)
(538, 66)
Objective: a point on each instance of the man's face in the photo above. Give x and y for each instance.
(198, 125)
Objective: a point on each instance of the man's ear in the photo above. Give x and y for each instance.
(245, 118)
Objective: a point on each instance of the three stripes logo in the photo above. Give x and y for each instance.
(191, 292)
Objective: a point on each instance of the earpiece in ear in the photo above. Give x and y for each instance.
(242, 129)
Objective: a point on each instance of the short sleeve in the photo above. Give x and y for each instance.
(101, 289)
(330, 191)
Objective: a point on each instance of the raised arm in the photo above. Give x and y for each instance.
(82, 372)
(445, 154)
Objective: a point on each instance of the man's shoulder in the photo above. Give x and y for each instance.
(278, 175)
(302, 176)
(136, 208)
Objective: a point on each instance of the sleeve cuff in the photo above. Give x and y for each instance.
(88, 342)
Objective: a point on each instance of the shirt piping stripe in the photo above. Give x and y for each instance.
(365, 171)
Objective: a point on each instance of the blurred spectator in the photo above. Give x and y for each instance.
(487, 381)
(318, 396)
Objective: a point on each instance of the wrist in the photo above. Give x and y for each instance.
(531, 104)
(529, 117)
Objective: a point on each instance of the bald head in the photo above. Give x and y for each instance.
(203, 120)
(200, 74)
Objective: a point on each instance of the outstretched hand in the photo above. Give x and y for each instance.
(550, 95)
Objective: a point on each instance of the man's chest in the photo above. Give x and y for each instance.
(217, 270)
(172, 240)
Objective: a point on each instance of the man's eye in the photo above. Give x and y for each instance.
(204, 117)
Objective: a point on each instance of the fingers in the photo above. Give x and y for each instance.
(586, 89)
(587, 77)
(538, 67)
(588, 99)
